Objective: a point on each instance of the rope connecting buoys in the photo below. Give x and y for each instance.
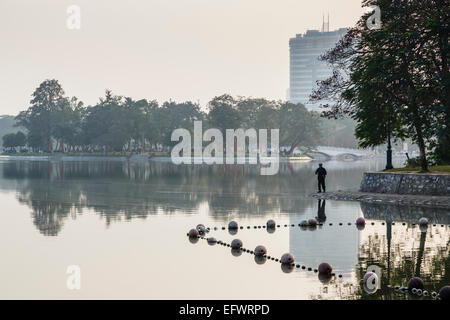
(305, 224)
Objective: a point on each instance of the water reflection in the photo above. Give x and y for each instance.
(119, 190)
(58, 192)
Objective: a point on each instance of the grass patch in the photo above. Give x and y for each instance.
(432, 169)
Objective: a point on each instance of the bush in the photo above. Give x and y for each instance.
(413, 162)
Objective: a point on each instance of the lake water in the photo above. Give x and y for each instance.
(125, 224)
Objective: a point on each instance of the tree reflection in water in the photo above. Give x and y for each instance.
(116, 190)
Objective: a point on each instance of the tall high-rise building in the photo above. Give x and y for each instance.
(305, 68)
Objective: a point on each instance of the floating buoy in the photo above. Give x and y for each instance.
(287, 268)
(444, 293)
(325, 268)
(415, 283)
(260, 259)
(324, 278)
(312, 222)
(211, 241)
(236, 244)
(236, 252)
(270, 224)
(233, 231)
(260, 251)
(360, 221)
(232, 225)
(303, 223)
(193, 233)
(370, 282)
(287, 258)
(201, 228)
(193, 240)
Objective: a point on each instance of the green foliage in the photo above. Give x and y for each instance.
(119, 124)
(13, 140)
(394, 81)
(8, 125)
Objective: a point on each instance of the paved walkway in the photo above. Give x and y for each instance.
(395, 199)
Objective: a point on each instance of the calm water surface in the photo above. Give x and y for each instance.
(125, 225)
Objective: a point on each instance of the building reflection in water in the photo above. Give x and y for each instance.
(56, 192)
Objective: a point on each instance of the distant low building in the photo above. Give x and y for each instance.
(305, 68)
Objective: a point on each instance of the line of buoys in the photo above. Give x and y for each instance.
(271, 225)
(416, 287)
(260, 253)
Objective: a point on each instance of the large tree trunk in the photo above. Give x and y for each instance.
(421, 143)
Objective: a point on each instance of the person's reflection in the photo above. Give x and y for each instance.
(321, 217)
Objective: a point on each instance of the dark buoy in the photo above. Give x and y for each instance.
(287, 268)
(232, 225)
(360, 221)
(260, 259)
(201, 228)
(444, 293)
(193, 240)
(233, 231)
(211, 241)
(236, 252)
(303, 223)
(287, 258)
(260, 251)
(415, 283)
(325, 268)
(271, 224)
(324, 278)
(423, 221)
(236, 244)
(312, 222)
(193, 233)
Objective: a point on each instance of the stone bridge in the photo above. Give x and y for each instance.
(342, 154)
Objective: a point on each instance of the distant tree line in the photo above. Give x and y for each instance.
(55, 122)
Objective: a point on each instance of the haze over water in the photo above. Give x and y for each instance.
(125, 225)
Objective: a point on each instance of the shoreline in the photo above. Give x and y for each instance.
(441, 202)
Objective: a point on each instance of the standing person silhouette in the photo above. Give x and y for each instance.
(321, 174)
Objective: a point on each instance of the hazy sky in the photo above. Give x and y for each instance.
(156, 49)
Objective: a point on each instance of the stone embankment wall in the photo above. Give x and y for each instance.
(406, 183)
